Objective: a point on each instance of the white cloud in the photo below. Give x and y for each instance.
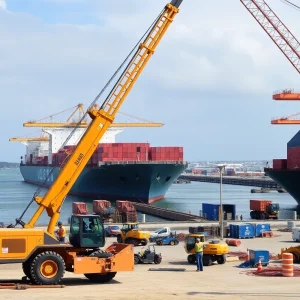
(3, 4)
(209, 61)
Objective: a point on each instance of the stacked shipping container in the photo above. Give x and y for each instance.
(293, 152)
(109, 152)
(279, 164)
(166, 153)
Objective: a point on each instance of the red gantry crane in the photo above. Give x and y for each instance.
(285, 41)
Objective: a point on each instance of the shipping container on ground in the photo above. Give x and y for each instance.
(79, 208)
(210, 211)
(260, 228)
(100, 206)
(241, 231)
(257, 254)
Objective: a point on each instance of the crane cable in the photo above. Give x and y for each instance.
(293, 5)
(19, 220)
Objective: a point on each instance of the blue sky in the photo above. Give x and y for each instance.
(210, 81)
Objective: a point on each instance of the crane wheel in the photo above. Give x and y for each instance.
(172, 243)
(100, 278)
(144, 242)
(221, 259)
(26, 268)
(119, 238)
(47, 268)
(136, 259)
(191, 259)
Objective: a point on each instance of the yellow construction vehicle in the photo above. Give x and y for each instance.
(293, 250)
(44, 259)
(130, 234)
(213, 251)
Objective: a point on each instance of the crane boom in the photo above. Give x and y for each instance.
(85, 124)
(275, 28)
(101, 120)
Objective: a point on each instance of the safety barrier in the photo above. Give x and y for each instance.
(233, 242)
(287, 265)
(267, 234)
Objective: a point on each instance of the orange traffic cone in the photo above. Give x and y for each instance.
(259, 266)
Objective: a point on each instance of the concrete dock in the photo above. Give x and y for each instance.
(165, 213)
(263, 182)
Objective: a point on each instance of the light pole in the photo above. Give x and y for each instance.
(221, 206)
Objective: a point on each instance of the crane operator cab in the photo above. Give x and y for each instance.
(86, 231)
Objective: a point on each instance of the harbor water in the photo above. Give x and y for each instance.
(15, 194)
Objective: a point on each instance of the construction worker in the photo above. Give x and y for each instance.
(61, 232)
(199, 254)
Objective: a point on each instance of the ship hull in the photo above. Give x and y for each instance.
(288, 180)
(138, 182)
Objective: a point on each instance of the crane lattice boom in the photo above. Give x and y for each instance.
(101, 120)
(275, 28)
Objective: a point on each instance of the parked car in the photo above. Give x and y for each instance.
(112, 230)
(160, 233)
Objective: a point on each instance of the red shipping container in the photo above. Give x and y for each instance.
(259, 205)
(124, 206)
(279, 164)
(293, 152)
(99, 206)
(293, 163)
(79, 208)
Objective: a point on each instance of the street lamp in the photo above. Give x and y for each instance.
(221, 167)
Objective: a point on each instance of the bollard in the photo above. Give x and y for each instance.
(143, 218)
(287, 265)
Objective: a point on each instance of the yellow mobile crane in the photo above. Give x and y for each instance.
(44, 259)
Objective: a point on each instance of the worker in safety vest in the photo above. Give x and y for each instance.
(61, 232)
(199, 254)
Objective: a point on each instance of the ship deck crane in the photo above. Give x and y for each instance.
(84, 124)
(44, 258)
(284, 40)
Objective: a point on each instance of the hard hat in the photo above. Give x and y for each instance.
(198, 240)
(59, 223)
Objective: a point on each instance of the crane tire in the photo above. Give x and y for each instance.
(47, 268)
(191, 258)
(119, 238)
(144, 242)
(26, 268)
(136, 259)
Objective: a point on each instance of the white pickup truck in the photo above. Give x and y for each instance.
(160, 233)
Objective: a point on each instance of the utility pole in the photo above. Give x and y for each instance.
(220, 167)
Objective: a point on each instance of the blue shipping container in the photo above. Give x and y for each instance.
(260, 228)
(211, 211)
(255, 255)
(231, 230)
(242, 231)
(295, 141)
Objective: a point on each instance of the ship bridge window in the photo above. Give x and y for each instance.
(168, 178)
